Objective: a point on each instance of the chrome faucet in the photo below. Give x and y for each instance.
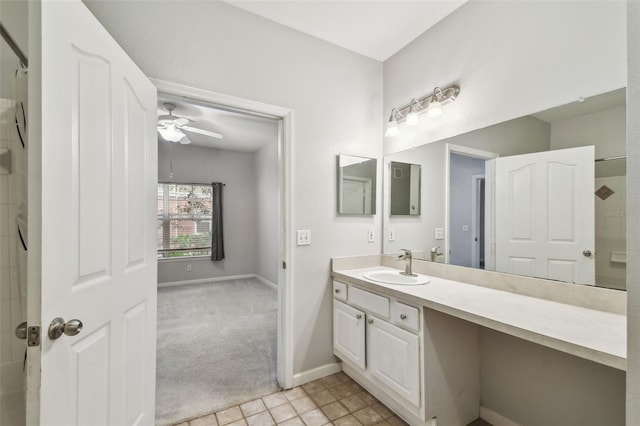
(434, 253)
(406, 255)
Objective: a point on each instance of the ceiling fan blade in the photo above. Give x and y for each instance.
(201, 132)
(181, 121)
(185, 140)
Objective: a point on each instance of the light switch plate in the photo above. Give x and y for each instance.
(465, 228)
(392, 234)
(303, 237)
(439, 233)
(371, 236)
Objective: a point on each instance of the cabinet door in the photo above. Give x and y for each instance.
(348, 333)
(394, 358)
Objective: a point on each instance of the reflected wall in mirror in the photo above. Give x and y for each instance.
(508, 197)
(356, 185)
(404, 189)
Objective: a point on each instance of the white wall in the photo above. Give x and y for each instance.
(266, 181)
(195, 164)
(633, 220)
(606, 130)
(512, 59)
(336, 96)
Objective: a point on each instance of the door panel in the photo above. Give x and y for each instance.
(99, 177)
(349, 333)
(544, 214)
(393, 358)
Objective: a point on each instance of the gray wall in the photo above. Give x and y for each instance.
(195, 164)
(534, 385)
(266, 181)
(336, 96)
(462, 168)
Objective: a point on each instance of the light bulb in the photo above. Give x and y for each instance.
(170, 133)
(392, 129)
(412, 119)
(434, 110)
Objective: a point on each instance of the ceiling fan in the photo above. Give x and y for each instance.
(173, 128)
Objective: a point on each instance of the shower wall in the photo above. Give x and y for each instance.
(13, 15)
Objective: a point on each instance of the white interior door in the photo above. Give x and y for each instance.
(544, 215)
(98, 261)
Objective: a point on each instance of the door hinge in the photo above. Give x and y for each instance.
(284, 265)
(33, 335)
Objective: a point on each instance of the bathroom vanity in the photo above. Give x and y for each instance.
(416, 348)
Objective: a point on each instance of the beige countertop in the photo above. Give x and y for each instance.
(587, 333)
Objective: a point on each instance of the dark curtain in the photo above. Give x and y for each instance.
(217, 244)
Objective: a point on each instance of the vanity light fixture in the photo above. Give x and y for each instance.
(412, 116)
(392, 124)
(431, 104)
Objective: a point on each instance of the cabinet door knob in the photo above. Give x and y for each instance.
(370, 321)
(337, 290)
(359, 316)
(403, 317)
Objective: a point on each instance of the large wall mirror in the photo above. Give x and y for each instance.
(356, 185)
(541, 195)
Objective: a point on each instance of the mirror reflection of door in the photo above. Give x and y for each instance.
(356, 195)
(544, 215)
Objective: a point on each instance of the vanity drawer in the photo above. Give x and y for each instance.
(371, 302)
(405, 315)
(340, 291)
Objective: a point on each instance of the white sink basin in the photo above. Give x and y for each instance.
(389, 277)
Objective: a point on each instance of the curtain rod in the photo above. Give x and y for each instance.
(14, 46)
(617, 157)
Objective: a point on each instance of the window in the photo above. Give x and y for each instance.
(184, 220)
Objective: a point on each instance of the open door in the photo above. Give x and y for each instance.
(544, 215)
(96, 154)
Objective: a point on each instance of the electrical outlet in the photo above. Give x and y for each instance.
(189, 268)
(303, 237)
(465, 228)
(392, 234)
(439, 233)
(371, 236)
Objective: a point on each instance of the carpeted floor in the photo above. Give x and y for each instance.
(216, 347)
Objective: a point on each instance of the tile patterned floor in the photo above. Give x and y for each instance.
(332, 400)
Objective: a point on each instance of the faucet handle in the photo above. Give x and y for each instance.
(435, 249)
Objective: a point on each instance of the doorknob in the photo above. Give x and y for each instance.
(587, 253)
(21, 330)
(58, 327)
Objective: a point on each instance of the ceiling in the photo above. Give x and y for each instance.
(241, 132)
(376, 29)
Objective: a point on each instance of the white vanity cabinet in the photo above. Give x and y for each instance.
(380, 336)
(393, 358)
(420, 363)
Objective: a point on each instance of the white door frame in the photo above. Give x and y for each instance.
(469, 152)
(475, 219)
(285, 280)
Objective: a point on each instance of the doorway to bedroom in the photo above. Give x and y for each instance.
(218, 257)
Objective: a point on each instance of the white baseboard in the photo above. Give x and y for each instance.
(266, 281)
(205, 280)
(494, 418)
(316, 373)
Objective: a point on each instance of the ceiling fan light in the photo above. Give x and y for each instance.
(171, 134)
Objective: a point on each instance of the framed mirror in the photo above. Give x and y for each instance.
(404, 189)
(512, 196)
(356, 185)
